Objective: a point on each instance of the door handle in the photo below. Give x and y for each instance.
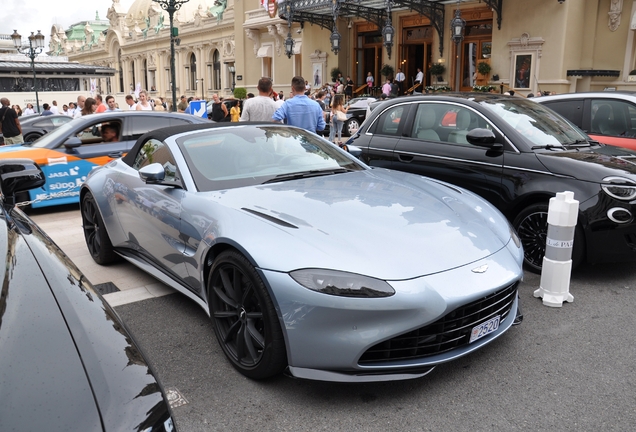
(115, 155)
(405, 158)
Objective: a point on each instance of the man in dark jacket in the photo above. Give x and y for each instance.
(10, 126)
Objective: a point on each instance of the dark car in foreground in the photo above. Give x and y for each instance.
(67, 362)
(252, 222)
(70, 152)
(517, 154)
(33, 127)
(609, 117)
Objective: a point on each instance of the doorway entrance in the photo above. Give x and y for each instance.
(476, 48)
(368, 59)
(417, 52)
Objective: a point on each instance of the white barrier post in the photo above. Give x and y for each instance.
(557, 262)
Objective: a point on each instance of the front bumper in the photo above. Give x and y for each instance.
(327, 335)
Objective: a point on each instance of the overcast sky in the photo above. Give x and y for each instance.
(28, 16)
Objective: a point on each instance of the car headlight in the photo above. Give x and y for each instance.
(619, 188)
(342, 284)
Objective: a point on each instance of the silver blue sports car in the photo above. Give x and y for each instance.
(306, 259)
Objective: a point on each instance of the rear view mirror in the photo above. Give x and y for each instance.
(152, 174)
(19, 175)
(483, 138)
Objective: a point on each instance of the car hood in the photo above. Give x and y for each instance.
(591, 164)
(381, 223)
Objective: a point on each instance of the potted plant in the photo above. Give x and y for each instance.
(240, 92)
(437, 69)
(334, 74)
(483, 68)
(387, 71)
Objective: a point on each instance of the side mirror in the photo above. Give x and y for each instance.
(152, 174)
(72, 143)
(19, 175)
(483, 138)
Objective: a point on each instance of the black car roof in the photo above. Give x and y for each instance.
(163, 133)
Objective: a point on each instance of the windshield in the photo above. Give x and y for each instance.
(538, 124)
(45, 140)
(229, 157)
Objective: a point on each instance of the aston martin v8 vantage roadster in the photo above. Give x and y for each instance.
(306, 259)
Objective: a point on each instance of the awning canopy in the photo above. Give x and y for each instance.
(264, 51)
(325, 13)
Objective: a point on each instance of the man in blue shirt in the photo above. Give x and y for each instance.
(299, 110)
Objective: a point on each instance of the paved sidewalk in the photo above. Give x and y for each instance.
(64, 226)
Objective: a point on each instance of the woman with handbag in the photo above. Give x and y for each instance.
(339, 116)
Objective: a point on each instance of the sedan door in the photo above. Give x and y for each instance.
(435, 145)
(383, 136)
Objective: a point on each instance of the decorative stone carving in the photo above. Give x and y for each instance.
(616, 9)
(255, 36)
(228, 47)
(527, 43)
(271, 29)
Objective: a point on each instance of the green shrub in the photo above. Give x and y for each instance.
(240, 92)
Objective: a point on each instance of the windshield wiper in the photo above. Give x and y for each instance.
(547, 147)
(578, 143)
(306, 174)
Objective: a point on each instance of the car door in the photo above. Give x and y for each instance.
(384, 134)
(571, 109)
(150, 214)
(435, 145)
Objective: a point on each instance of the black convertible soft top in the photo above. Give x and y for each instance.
(163, 133)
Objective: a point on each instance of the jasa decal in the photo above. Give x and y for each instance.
(63, 182)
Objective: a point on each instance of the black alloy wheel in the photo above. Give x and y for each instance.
(245, 320)
(32, 137)
(97, 240)
(531, 225)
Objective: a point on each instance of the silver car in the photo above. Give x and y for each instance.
(305, 258)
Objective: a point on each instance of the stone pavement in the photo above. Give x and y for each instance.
(64, 225)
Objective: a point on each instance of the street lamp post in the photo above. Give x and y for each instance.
(232, 70)
(457, 28)
(171, 6)
(35, 47)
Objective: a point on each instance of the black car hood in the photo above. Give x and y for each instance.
(591, 163)
(66, 361)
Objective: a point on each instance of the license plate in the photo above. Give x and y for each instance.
(483, 329)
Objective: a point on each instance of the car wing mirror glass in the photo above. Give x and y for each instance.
(483, 138)
(152, 174)
(72, 143)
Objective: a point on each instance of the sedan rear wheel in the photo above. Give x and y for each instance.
(245, 320)
(532, 227)
(97, 240)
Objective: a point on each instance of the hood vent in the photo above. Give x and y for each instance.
(273, 219)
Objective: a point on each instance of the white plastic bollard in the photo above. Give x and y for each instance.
(557, 262)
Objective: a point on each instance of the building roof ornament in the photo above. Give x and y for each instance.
(616, 9)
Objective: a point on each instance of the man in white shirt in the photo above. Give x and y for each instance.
(261, 107)
(54, 109)
(399, 79)
(419, 78)
(80, 106)
(130, 101)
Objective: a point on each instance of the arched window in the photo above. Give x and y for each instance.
(193, 72)
(216, 61)
(145, 72)
(133, 82)
(121, 71)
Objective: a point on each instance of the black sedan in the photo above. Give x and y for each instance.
(33, 127)
(517, 154)
(67, 362)
(70, 152)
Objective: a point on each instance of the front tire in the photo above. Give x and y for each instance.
(97, 240)
(245, 320)
(531, 225)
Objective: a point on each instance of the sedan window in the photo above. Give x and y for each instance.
(389, 121)
(613, 118)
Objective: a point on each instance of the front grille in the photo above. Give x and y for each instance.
(447, 333)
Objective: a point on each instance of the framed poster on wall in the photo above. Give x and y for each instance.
(317, 75)
(523, 71)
